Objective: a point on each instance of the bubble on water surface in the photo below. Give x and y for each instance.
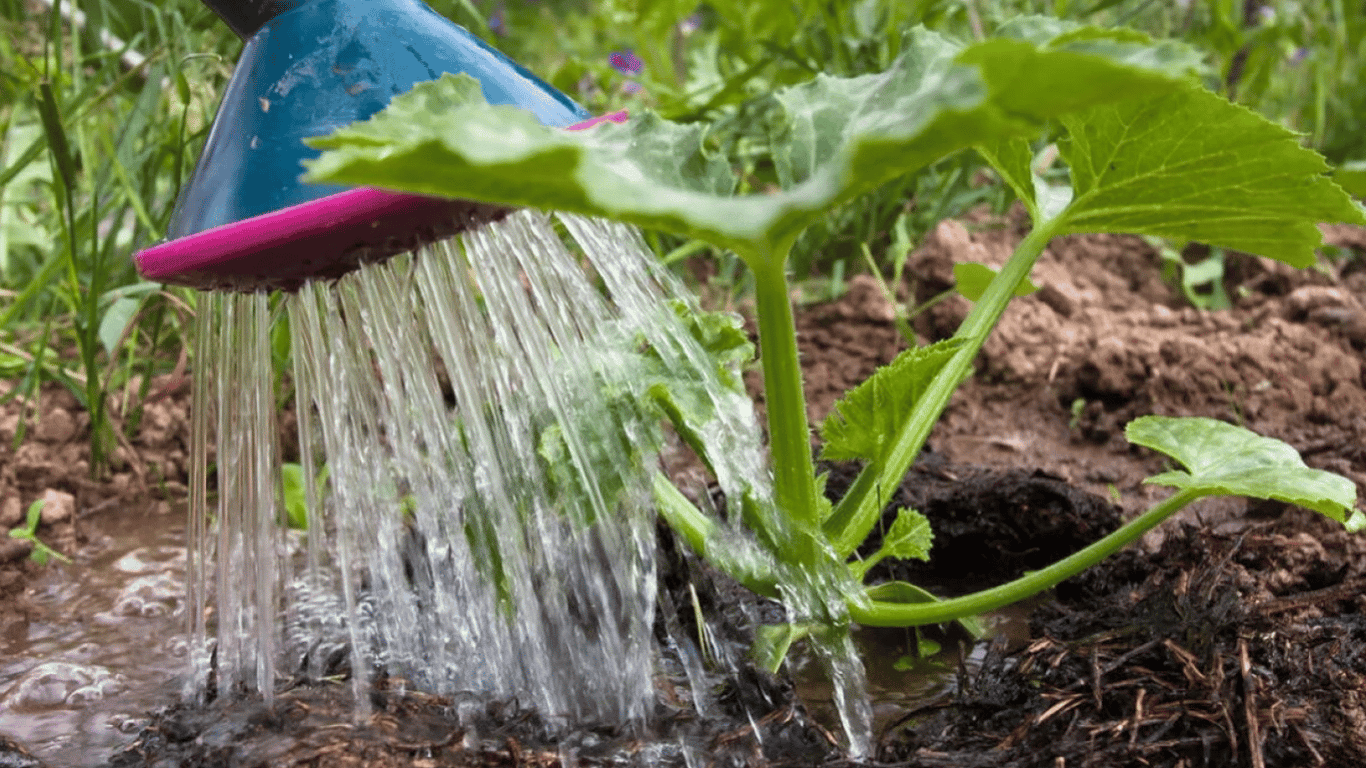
(62, 684)
(151, 559)
(161, 594)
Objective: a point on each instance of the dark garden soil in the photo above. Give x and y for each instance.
(1233, 636)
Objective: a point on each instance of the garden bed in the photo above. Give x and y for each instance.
(1224, 639)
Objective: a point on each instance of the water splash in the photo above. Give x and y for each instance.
(487, 522)
(236, 389)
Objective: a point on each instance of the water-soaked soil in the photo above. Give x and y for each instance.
(1232, 637)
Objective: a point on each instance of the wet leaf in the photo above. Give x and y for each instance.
(844, 136)
(1227, 460)
(686, 394)
(296, 495)
(773, 641)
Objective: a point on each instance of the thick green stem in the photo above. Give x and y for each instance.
(884, 614)
(858, 511)
(789, 433)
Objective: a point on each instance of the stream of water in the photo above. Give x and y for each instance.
(486, 520)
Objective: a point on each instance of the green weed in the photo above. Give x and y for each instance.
(29, 532)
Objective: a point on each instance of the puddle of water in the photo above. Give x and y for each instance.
(106, 647)
(898, 681)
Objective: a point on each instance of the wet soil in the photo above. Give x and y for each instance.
(1232, 636)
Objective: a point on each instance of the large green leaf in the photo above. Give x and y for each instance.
(1189, 165)
(1226, 460)
(1041, 67)
(846, 136)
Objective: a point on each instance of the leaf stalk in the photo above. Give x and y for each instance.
(884, 614)
(858, 511)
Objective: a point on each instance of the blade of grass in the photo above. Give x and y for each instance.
(25, 159)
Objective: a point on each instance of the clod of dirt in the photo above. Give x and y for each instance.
(58, 507)
(14, 549)
(11, 512)
(989, 525)
(56, 426)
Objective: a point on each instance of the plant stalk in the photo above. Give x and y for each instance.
(789, 433)
(884, 614)
(858, 511)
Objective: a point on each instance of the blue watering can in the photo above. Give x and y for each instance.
(245, 221)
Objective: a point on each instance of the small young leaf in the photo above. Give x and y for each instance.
(684, 392)
(41, 552)
(722, 335)
(865, 420)
(910, 537)
(823, 502)
(971, 280)
(32, 518)
(296, 506)
(596, 462)
(1190, 166)
(1232, 461)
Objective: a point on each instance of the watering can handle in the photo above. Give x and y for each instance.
(247, 16)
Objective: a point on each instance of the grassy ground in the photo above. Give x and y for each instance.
(100, 123)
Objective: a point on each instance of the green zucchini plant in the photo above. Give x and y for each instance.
(1147, 150)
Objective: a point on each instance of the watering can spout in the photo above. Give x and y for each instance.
(245, 17)
(309, 67)
(312, 66)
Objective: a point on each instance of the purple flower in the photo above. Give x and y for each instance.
(626, 62)
(1298, 56)
(498, 22)
(690, 25)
